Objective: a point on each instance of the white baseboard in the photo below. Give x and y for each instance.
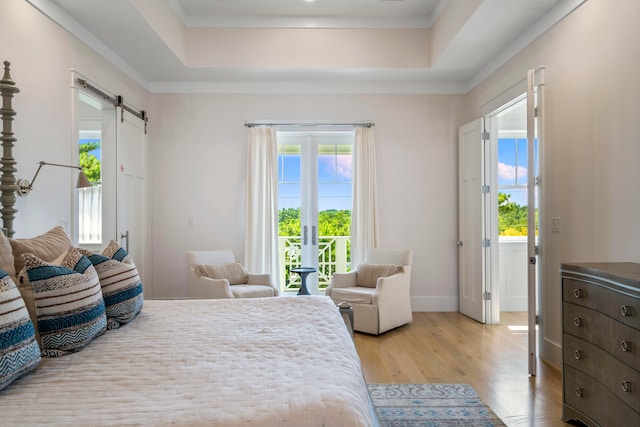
(430, 304)
(551, 352)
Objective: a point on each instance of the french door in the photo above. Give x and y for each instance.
(314, 205)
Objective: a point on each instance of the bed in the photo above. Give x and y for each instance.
(233, 362)
(243, 362)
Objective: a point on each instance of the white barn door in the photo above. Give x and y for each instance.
(131, 189)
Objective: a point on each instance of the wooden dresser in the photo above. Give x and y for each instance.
(601, 343)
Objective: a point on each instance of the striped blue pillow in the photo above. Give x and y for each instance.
(69, 304)
(19, 350)
(120, 281)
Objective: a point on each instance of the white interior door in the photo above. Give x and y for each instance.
(131, 189)
(472, 243)
(533, 125)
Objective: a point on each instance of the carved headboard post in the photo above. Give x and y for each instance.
(8, 185)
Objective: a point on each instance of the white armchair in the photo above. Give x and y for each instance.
(380, 297)
(216, 274)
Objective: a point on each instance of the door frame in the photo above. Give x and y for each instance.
(108, 119)
(535, 129)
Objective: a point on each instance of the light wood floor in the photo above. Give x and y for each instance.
(452, 348)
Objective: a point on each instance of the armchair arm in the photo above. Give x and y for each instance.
(341, 280)
(391, 287)
(262, 279)
(205, 287)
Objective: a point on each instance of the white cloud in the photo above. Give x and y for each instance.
(508, 172)
(344, 166)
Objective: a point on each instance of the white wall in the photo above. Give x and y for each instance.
(591, 154)
(198, 170)
(41, 56)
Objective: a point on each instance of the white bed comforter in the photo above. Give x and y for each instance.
(243, 362)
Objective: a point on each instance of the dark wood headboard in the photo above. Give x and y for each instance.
(8, 169)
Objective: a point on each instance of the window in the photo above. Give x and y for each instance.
(512, 185)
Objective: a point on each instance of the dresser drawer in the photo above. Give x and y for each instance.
(617, 339)
(600, 297)
(584, 395)
(617, 377)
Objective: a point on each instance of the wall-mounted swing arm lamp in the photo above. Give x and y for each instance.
(24, 186)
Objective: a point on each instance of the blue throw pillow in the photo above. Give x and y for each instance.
(19, 350)
(68, 301)
(120, 282)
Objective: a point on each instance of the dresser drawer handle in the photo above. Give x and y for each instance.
(578, 392)
(625, 310)
(577, 354)
(577, 321)
(626, 386)
(626, 346)
(577, 293)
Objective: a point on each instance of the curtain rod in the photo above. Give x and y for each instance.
(356, 124)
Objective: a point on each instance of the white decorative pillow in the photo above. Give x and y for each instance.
(120, 282)
(368, 274)
(68, 302)
(234, 272)
(19, 350)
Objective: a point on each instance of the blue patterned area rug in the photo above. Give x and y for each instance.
(431, 405)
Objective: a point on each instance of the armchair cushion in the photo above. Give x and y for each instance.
(252, 291)
(368, 274)
(357, 295)
(234, 272)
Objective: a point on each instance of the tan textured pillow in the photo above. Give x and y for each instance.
(234, 272)
(47, 246)
(6, 257)
(368, 274)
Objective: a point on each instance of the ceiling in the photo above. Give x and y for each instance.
(399, 46)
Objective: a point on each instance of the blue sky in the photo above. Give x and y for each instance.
(512, 167)
(334, 176)
(334, 181)
(94, 152)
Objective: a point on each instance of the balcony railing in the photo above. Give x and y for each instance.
(333, 256)
(333, 251)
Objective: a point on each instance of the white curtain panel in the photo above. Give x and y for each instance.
(364, 215)
(261, 218)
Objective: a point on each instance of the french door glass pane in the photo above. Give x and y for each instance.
(334, 210)
(289, 208)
